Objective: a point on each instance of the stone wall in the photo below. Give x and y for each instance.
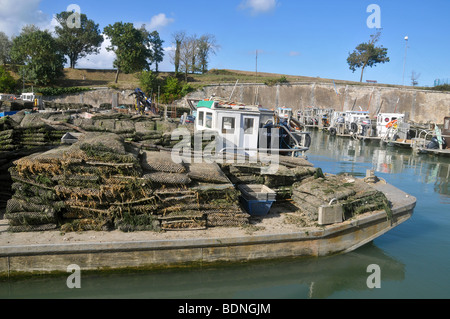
(95, 97)
(420, 106)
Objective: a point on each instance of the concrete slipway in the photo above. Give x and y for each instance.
(199, 248)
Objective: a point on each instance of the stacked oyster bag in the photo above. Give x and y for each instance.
(356, 196)
(103, 183)
(34, 132)
(146, 130)
(34, 205)
(192, 195)
(83, 183)
(280, 178)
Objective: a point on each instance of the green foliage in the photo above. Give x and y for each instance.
(186, 89)
(49, 91)
(280, 80)
(367, 54)
(130, 45)
(171, 89)
(220, 72)
(39, 54)
(5, 48)
(77, 42)
(148, 81)
(7, 82)
(443, 87)
(206, 46)
(157, 55)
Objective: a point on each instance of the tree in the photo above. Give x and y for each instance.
(206, 45)
(192, 42)
(39, 54)
(178, 39)
(188, 55)
(77, 43)
(157, 49)
(148, 82)
(5, 48)
(7, 82)
(131, 46)
(172, 90)
(367, 54)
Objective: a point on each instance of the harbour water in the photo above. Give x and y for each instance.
(414, 258)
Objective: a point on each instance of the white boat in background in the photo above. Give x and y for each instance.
(248, 129)
(346, 123)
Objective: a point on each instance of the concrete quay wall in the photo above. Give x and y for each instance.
(420, 106)
(95, 97)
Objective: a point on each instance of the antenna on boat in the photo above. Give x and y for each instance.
(232, 92)
(395, 110)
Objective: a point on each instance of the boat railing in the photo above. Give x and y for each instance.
(421, 139)
(298, 147)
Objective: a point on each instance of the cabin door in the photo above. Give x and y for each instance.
(249, 134)
(229, 130)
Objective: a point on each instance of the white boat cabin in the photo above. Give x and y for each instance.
(357, 117)
(284, 112)
(387, 120)
(236, 125)
(7, 97)
(36, 98)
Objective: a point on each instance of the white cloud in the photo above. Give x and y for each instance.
(156, 23)
(15, 14)
(166, 65)
(160, 20)
(103, 60)
(294, 53)
(258, 6)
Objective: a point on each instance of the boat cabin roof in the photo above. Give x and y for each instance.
(218, 105)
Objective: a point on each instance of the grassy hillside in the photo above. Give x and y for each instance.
(93, 78)
(105, 78)
(96, 78)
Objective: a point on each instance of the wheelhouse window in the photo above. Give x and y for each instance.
(249, 124)
(208, 121)
(228, 125)
(201, 118)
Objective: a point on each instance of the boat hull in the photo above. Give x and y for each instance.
(153, 254)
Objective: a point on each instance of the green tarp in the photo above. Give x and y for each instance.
(208, 104)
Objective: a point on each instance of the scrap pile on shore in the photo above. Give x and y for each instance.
(103, 183)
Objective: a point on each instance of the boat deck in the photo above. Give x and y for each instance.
(26, 253)
(439, 152)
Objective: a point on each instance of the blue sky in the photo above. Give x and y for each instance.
(295, 37)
